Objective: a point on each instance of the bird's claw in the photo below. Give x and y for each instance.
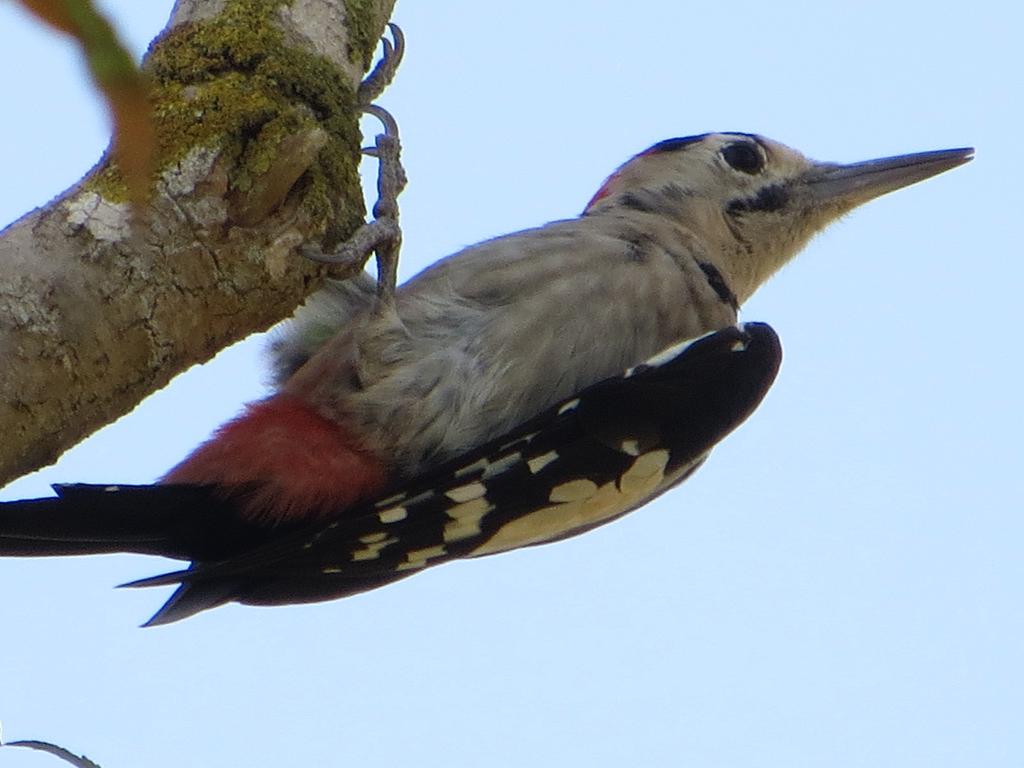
(373, 84)
(383, 235)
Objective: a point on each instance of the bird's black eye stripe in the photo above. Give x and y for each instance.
(744, 156)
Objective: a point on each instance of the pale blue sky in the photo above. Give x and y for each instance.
(841, 585)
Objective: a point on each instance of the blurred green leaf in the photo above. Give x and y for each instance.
(116, 75)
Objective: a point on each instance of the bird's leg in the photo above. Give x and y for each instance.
(391, 181)
(382, 235)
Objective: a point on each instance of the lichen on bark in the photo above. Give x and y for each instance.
(257, 152)
(233, 82)
(362, 31)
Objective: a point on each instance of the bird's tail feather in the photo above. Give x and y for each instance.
(189, 599)
(184, 522)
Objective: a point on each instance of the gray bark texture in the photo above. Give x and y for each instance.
(257, 152)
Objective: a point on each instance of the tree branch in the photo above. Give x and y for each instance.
(258, 151)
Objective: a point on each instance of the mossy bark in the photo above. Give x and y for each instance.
(257, 152)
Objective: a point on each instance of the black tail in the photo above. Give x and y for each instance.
(179, 521)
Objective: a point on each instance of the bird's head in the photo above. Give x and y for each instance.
(755, 201)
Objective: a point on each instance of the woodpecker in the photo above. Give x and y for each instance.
(523, 390)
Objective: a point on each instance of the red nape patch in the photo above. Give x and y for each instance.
(601, 194)
(606, 188)
(286, 461)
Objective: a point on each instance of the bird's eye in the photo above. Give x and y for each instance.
(744, 156)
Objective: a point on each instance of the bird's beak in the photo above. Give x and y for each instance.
(847, 186)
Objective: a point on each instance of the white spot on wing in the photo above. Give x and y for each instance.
(465, 519)
(502, 464)
(519, 441)
(469, 469)
(569, 405)
(670, 353)
(466, 492)
(537, 463)
(632, 447)
(426, 553)
(588, 506)
(574, 490)
(419, 497)
(645, 473)
(417, 558)
(389, 500)
(373, 548)
(392, 515)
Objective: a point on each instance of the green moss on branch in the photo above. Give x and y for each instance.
(234, 84)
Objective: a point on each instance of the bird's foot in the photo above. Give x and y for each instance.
(382, 235)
